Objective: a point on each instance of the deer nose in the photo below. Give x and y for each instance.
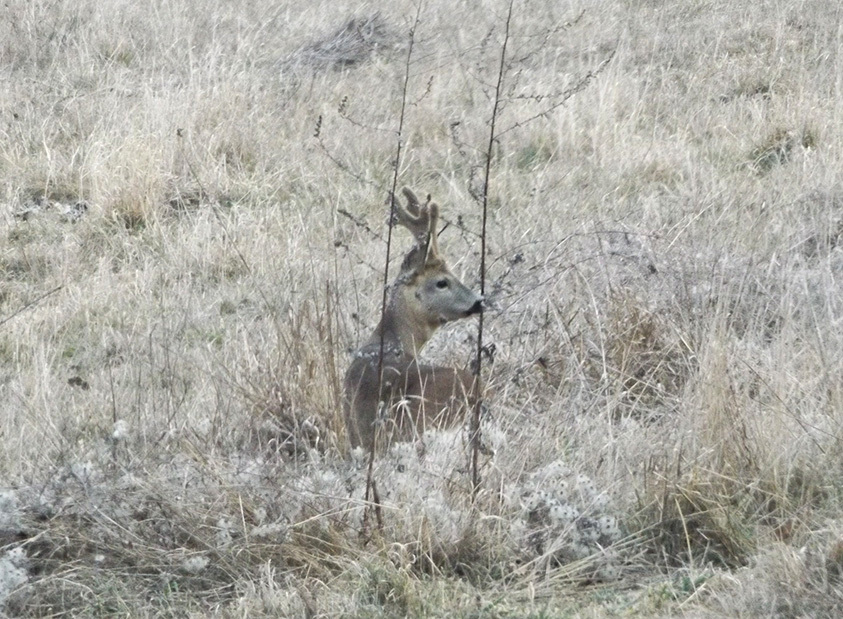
(476, 308)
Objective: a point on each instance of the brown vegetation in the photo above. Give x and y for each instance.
(185, 269)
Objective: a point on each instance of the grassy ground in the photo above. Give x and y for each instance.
(192, 225)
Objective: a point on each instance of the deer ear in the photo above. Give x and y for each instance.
(414, 261)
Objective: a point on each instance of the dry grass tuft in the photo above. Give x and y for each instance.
(358, 41)
(777, 148)
(644, 356)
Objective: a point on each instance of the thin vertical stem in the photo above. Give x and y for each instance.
(371, 488)
(478, 406)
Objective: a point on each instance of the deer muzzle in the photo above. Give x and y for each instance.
(478, 307)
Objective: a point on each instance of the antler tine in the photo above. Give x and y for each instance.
(420, 220)
(414, 217)
(433, 238)
(413, 204)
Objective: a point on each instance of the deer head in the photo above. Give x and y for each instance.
(426, 294)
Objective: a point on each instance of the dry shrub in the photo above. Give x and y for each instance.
(162, 541)
(782, 580)
(823, 229)
(358, 40)
(644, 357)
(732, 482)
(700, 521)
(777, 149)
(136, 196)
(279, 427)
(294, 398)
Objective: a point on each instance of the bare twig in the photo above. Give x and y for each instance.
(32, 303)
(359, 222)
(478, 405)
(563, 97)
(371, 488)
(545, 36)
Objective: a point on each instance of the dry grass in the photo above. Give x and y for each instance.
(184, 267)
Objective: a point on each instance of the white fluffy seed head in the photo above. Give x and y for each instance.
(120, 430)
(563, 513)
(195, 564)
(608, 527)
(531, 501)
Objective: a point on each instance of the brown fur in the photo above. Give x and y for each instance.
(413, 397)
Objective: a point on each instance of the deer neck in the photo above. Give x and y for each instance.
(401, 327)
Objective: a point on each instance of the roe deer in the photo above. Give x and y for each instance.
(413, 396)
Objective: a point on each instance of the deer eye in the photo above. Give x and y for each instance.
(442, 284)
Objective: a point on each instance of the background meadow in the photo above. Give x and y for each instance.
(192, 240)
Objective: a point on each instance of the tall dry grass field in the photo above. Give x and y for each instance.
(192, 239)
